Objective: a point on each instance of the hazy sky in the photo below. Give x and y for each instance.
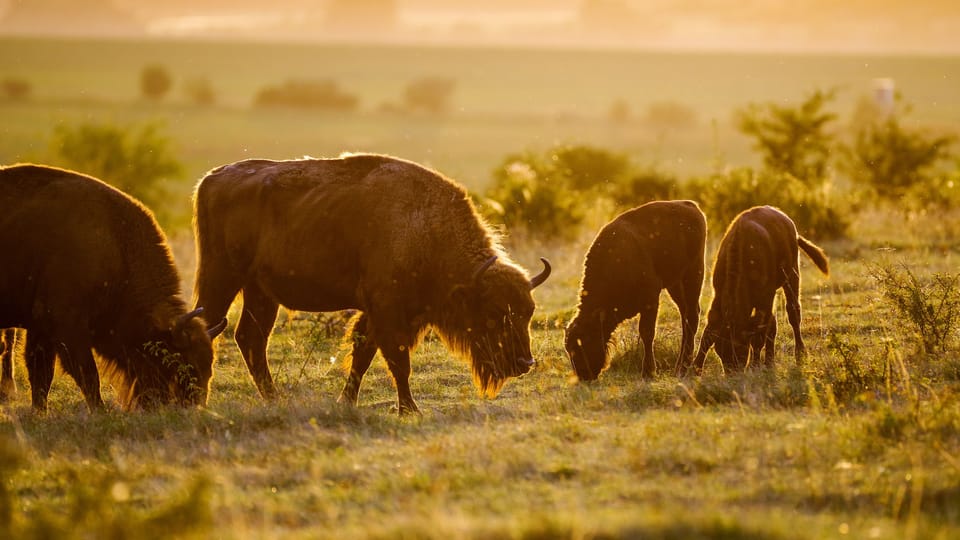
(800, 25)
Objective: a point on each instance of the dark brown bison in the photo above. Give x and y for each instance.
(657, 246)
(86, 268)
(394, 240)
(758, 255)
(8, 386)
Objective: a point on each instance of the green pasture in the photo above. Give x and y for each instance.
(504, 101)
(860, 441)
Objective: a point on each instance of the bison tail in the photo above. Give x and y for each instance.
(816, 254)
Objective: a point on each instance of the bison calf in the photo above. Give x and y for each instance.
(657, 246)
(396, 241)
(86, 268)
(758, 255)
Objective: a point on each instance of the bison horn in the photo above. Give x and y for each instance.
(482, 268)
(187, 316)
(215, 330)
(538, 279)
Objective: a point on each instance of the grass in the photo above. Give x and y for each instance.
(793, 453)
(861, 441)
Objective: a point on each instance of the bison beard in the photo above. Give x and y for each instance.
(758, 255)
(398, 242)
(657, 246)
(86, 268)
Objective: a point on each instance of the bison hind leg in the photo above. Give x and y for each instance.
(363, 349)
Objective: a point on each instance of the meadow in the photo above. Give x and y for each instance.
(860, 441)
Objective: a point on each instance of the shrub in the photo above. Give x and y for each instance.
(670, 115)
(200, 92)
(134, 159)
(526, 194)
(430, 95)
(644, 186)
(16, 89)
(325, 94)
(155, 82)
(545, 193)
(724, 195)
(792, 140)
(931, 307)
(892, 160)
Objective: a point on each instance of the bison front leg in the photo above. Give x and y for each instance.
(253, 332)
(39, 357)
(78, 362)
(769, 341)
(363, 351)
(686, 295)
(398, 360)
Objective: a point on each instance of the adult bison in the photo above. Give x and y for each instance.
(394, 240)
(657, 246)
(8, 386)
(85, 267)
(758, 255)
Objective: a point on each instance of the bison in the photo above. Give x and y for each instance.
(398, 242)
(87, 268)
(758, 255)
(8, 386)
(657, 246)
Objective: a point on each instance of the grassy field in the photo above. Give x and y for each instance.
(504, 101)
(862, 441)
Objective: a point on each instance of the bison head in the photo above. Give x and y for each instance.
(492, 325)
(586, 345)
(175, 365)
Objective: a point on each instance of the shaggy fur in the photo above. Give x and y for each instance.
(657, 246)
(394, 240)
(758, 255)
(86, 268)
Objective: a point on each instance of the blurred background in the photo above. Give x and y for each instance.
(537, 106)
(927, 26)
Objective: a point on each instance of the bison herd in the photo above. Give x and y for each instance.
(88, 274)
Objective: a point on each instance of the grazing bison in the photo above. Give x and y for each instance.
(757, 256)
(8, 386)
(87, 268)
(394, 240)
(657, 246)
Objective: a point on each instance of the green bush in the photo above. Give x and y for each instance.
(894, 161)
(430, 95)
(324, 94)
(15, 89)
(644, 186)
(792, 140)
(550, 194)
(724, 195)
(134, 159)
(930, 307)
(525, 195)
(155, 82)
